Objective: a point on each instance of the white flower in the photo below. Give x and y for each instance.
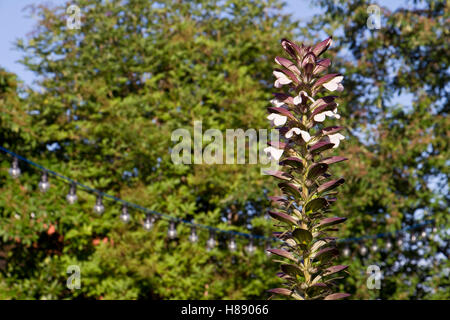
(282, 79)
(298, 99)
(273, 153)
(305, 135)
(334, 84)
(320, 117)
(277, 119)
(277, 103)
(336, 139)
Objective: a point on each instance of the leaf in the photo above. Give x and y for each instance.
(321, 65)
(302, 235)
(325, 79)
(320, 146)
(322, 46)
(322, 108)
(291, 270)
(283, 217)
(326, 253)
(293, 162)
(285, 98)
(322, 101)
(333, 159)
(288, 64)
(278, 199)
(317, 169)
(334, 269)
(289, 74)
(337, 296)
(283, 253)
(292, 49)
(286, 292)
(331, 130)
(316, 204)
(289, 188)
(330, 222)
(282, 111)
(279, 174)
(330, 185)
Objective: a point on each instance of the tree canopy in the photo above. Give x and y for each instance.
(109, 95)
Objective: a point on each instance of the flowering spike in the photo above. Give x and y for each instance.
(302, 210)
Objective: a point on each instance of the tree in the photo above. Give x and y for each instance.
(398, 173)
(112, 93)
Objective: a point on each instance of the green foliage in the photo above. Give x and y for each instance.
(399, 149)
(114, 90)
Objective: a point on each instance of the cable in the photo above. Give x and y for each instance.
(197, 225)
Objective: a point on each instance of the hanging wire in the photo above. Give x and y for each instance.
(172, 233)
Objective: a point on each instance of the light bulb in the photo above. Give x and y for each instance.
(250, 248)
(44, 185)
(125, 216)
(434, 229)
(423, 235)
(399, 243)
(172, 233)
(211, 243)
(149, 222)
(193, 237)
(388, 245)
(363, 250)
(413, 238)
(374, 247)
(346, 252)
(232, 245)
(14, 171)
(267, 247)
(99, 208)
(72, 195)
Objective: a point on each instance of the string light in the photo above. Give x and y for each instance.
(346, 252)
(388, 245)
(374, 247)
(72, 195)
(423, 235)
(149, 222)
(172, 232)
(266, 248)
(413, 238)
(211, 243)
(14, 171)
(44, 185)
(232, 246)
(125, 215)
(363, 250)
(250, 248)
(99, 208)
(193, 237)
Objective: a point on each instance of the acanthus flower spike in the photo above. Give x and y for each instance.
(302, 210)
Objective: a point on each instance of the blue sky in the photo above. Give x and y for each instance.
(15, 24)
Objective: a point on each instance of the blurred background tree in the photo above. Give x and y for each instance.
(113, 91)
